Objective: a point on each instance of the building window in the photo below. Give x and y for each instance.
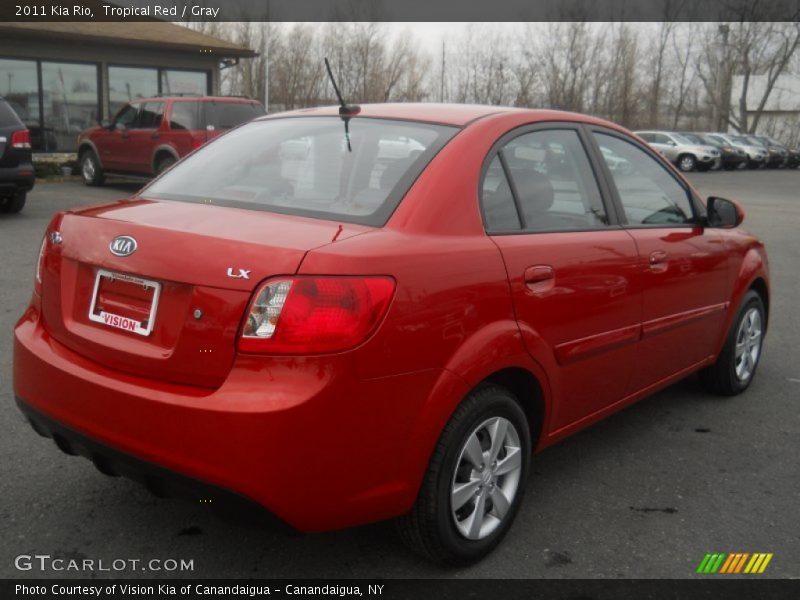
(67, 102)
(128, 84)
(184, 82)
(70, 101)
(20, 86)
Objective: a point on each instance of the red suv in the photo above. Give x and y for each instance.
(148, 136)
(383, 313)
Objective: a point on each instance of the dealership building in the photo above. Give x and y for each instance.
(64, 77)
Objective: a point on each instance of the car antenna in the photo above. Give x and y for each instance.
(346, 111)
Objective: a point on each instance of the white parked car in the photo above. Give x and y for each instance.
(682, 152)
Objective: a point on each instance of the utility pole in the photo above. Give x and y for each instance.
(441, 83)
(266, 57)
(266, 66)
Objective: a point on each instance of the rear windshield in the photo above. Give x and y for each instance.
(305, 166)
(7, 115)
(226, 115)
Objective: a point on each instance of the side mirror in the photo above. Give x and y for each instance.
(722, 213)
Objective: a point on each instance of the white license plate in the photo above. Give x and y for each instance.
(118, 321)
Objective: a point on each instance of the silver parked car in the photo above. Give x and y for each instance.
(756, 155)
(684, 153)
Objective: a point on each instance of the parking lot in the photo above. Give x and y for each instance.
(644, 494)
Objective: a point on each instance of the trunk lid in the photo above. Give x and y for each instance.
(195, 267)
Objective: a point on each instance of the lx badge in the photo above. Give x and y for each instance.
(243, 273)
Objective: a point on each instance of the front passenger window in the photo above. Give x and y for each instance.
(648, 192)
(127, 116)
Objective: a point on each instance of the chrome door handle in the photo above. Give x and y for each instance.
(658, 261)
(539, 277)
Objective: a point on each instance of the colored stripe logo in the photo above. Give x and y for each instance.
(737, 562)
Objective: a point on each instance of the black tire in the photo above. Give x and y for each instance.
(430, 528)
(686, 163)
(164, 162)
(730, 166)
(721, 378)
(91, 171)
(13, 204)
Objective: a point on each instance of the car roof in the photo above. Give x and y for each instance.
(459, 115)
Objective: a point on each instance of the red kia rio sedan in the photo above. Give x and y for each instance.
(340, 319)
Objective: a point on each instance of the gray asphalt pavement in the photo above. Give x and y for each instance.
(646, 493)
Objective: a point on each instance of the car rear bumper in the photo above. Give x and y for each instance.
(17, 179)
(160, 481)
(302, 437)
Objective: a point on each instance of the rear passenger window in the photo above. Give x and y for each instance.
(150, 116)
(185, 115)
(552, 181)
(648, 192)
(499, 210)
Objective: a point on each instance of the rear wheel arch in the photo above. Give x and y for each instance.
(160, 153)
(527, 390)
(519, 369)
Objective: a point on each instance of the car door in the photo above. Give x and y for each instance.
(144, 137)
(572, 269)
(683, 266)
(114, 143)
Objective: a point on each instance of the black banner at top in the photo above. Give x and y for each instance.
(399, 10)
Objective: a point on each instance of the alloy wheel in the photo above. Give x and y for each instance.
(748, 344)
(89, 169)
(486, 478)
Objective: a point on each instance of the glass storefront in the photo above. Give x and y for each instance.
(68, 100)
(19, 84)
(126, 84)
(184, 82)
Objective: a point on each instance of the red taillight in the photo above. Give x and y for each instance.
(21, 139)
(197, 142)
(314, 315)
(37, 284)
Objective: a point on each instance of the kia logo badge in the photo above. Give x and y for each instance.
(122, 245)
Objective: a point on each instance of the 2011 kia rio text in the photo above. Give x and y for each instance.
(343, 318)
